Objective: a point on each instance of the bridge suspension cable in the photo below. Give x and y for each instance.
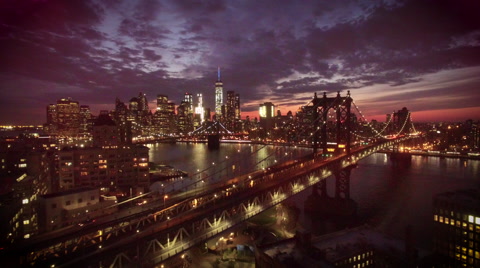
(198, 173)
(378, 133)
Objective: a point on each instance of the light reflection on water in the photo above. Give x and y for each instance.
(388, 196)
(245, 158)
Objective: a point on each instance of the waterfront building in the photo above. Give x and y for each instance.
(118, 168)
(456, 224)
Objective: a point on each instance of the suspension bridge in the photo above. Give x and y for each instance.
(191, 215)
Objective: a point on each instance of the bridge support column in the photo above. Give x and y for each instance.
(342, 182)
(213, 142)
(320, 188)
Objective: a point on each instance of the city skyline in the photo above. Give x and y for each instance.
(422, 55)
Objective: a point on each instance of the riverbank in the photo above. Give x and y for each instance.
(437, 154)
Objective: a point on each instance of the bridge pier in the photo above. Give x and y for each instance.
(214, 142)
(341, 205)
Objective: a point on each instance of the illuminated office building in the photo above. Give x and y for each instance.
(189, 99)
(229, 117)
(237, 107)
(456, 227)
(164, 116)
(199, 110)
(142, 102)
(218, 96)
(63, 118)
(85, 119)
(267, 113)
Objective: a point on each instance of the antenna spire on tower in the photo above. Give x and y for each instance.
(218, 73)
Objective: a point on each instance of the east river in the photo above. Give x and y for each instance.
(388, 196)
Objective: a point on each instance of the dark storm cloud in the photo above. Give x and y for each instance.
(280, 51)
(151, 55)
(199, 6)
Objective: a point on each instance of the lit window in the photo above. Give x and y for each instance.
(477, 220)
(22, 165)
(25, 201)
(435, 217)
(470, 218)
(25, 222)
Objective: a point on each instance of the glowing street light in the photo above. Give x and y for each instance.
(164, 198)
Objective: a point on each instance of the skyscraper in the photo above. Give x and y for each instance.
(199, 109)
(267, 112)
(142, 102)
(189, 98)
(237, 106)
(164, 115)
(218, 96)
(68, 116)
(229, 117)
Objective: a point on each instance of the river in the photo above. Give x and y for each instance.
(389, 196)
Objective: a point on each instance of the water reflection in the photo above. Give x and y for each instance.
(390, 197)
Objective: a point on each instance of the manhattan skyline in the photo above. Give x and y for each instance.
(423, 55)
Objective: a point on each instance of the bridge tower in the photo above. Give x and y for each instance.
(343, 122)
(213, 140)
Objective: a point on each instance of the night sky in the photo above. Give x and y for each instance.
(423, 55)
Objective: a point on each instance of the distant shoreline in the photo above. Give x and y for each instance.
(441, 155)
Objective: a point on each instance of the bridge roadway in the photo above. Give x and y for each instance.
(190, 220)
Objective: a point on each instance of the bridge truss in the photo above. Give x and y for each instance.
(200, 218)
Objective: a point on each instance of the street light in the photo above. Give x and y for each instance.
(164, 198)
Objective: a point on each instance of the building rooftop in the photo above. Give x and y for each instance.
(337, 246)
(469, 197)
(68, 192)
(104, 120)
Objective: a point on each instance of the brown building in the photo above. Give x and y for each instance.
(118, 168)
